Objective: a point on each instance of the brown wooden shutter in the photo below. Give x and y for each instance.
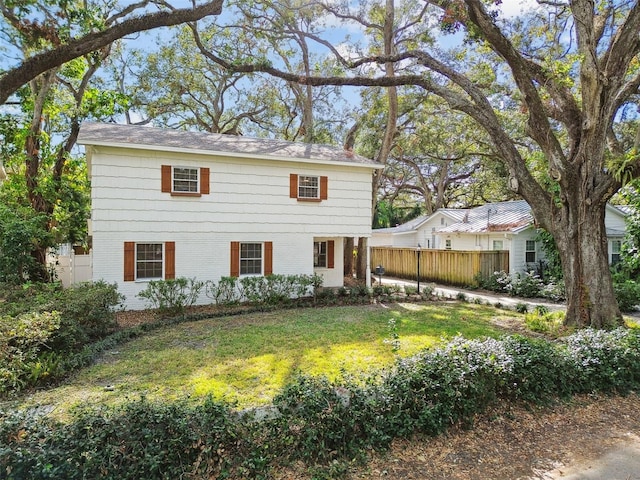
(293, 185)
(235, 259)
(129, 261)
(268, 258)
(324, 187)
(204, 181)
(166, 178)
(169, 260)
(331, 247)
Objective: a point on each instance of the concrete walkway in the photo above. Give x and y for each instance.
(471, 295)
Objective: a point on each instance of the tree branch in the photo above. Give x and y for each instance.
(15, 78)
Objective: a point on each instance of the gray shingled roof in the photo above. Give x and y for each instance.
(132, 136)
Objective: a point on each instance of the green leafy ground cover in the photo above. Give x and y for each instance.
(247, 359)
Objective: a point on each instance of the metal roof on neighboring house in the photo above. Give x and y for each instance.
(511, 216)
(137, 136)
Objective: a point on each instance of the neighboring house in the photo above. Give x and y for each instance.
(497, 226)
(421, 230)
(168, 203)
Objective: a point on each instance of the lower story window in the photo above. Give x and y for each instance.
(320, 254)
(148, 260)
(447, 244)
(250, 259)
(497, 245)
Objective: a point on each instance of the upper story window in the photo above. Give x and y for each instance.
(185, 180)
(310, 188)
(530, 251)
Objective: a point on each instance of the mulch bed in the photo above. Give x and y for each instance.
(509, 443)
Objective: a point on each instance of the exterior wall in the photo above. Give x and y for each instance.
(473, 241)
(381, 239)
(426, 233)
(248, 201)
(614, 220)
(517, 259)
(514, 243)
(405, 240)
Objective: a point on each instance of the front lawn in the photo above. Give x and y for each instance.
(247, 359)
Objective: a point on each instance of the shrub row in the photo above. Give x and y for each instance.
(171, 297)
(530, 285)
(325, 425)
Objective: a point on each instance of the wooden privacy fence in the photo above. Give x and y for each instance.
(453, 267)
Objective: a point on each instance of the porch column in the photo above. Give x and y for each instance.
(368, 280)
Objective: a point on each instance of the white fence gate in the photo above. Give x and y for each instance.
(71, 268)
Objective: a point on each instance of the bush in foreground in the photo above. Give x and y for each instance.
(322, 424)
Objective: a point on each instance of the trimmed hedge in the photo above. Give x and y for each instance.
(325, 425)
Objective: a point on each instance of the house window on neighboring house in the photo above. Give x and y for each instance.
(185, 180)
(497, 245)
(447, 244)
(616, 246)
(250, 259)
(530, 251)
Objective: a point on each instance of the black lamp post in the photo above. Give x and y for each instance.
(379, 271)
(418, 269)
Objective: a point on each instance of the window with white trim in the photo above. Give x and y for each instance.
(616, 246)
(320, 254)
(149, 260)
(185, 179)
(497, 245)
(447, 244)
(308, 186)
(530, 251)
(251, 259)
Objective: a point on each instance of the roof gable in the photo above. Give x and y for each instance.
(161, 139)
(455, 214)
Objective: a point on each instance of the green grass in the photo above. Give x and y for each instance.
(247, 359)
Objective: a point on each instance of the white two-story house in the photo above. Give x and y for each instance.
(168, 203)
